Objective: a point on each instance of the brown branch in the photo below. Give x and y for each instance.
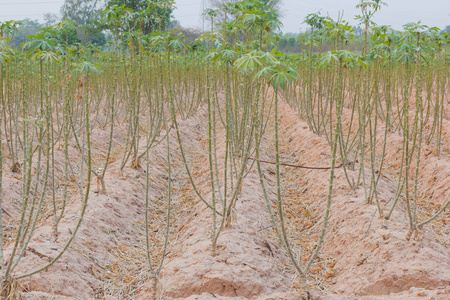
(297, 166)
(6, 212)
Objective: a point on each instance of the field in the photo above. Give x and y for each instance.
(224, 169)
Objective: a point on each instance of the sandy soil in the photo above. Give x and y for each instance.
(364, 256)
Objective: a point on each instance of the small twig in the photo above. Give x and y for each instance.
(267, 227)
(296, 166)
(266, 243)
(370, 224)
(6, 212)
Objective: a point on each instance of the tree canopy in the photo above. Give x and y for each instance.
(220, 4)
(447, 29)
(150, 14)
(82, 12)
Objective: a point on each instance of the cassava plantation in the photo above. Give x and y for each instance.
(157, 167)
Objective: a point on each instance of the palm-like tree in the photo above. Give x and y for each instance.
(368, 10)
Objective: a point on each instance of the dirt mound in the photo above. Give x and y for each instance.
(363, 256)
(372, 255)
(249, 260)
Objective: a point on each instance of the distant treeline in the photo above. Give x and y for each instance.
(295, 43)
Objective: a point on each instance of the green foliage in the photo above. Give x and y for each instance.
(92, 35)
(447, 29)
(147, 15)
(69, 35)
(82, 12)
(232, 70)
(6, 53)
(315, 20)
(86, 67)
(9, 28)
(368, 9)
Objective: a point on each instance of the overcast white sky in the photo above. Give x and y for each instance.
(397, 13)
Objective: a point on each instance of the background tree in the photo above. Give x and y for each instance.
(92, 34)
(82, 12)
(151, 14)
(218, 4)
(69, 35)
(215, 4)
(50, 19)
(447, 29)
(85, 14)
(28, 27)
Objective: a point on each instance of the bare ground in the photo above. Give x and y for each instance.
(364, 256)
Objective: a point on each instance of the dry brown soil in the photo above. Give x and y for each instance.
(364, 256)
